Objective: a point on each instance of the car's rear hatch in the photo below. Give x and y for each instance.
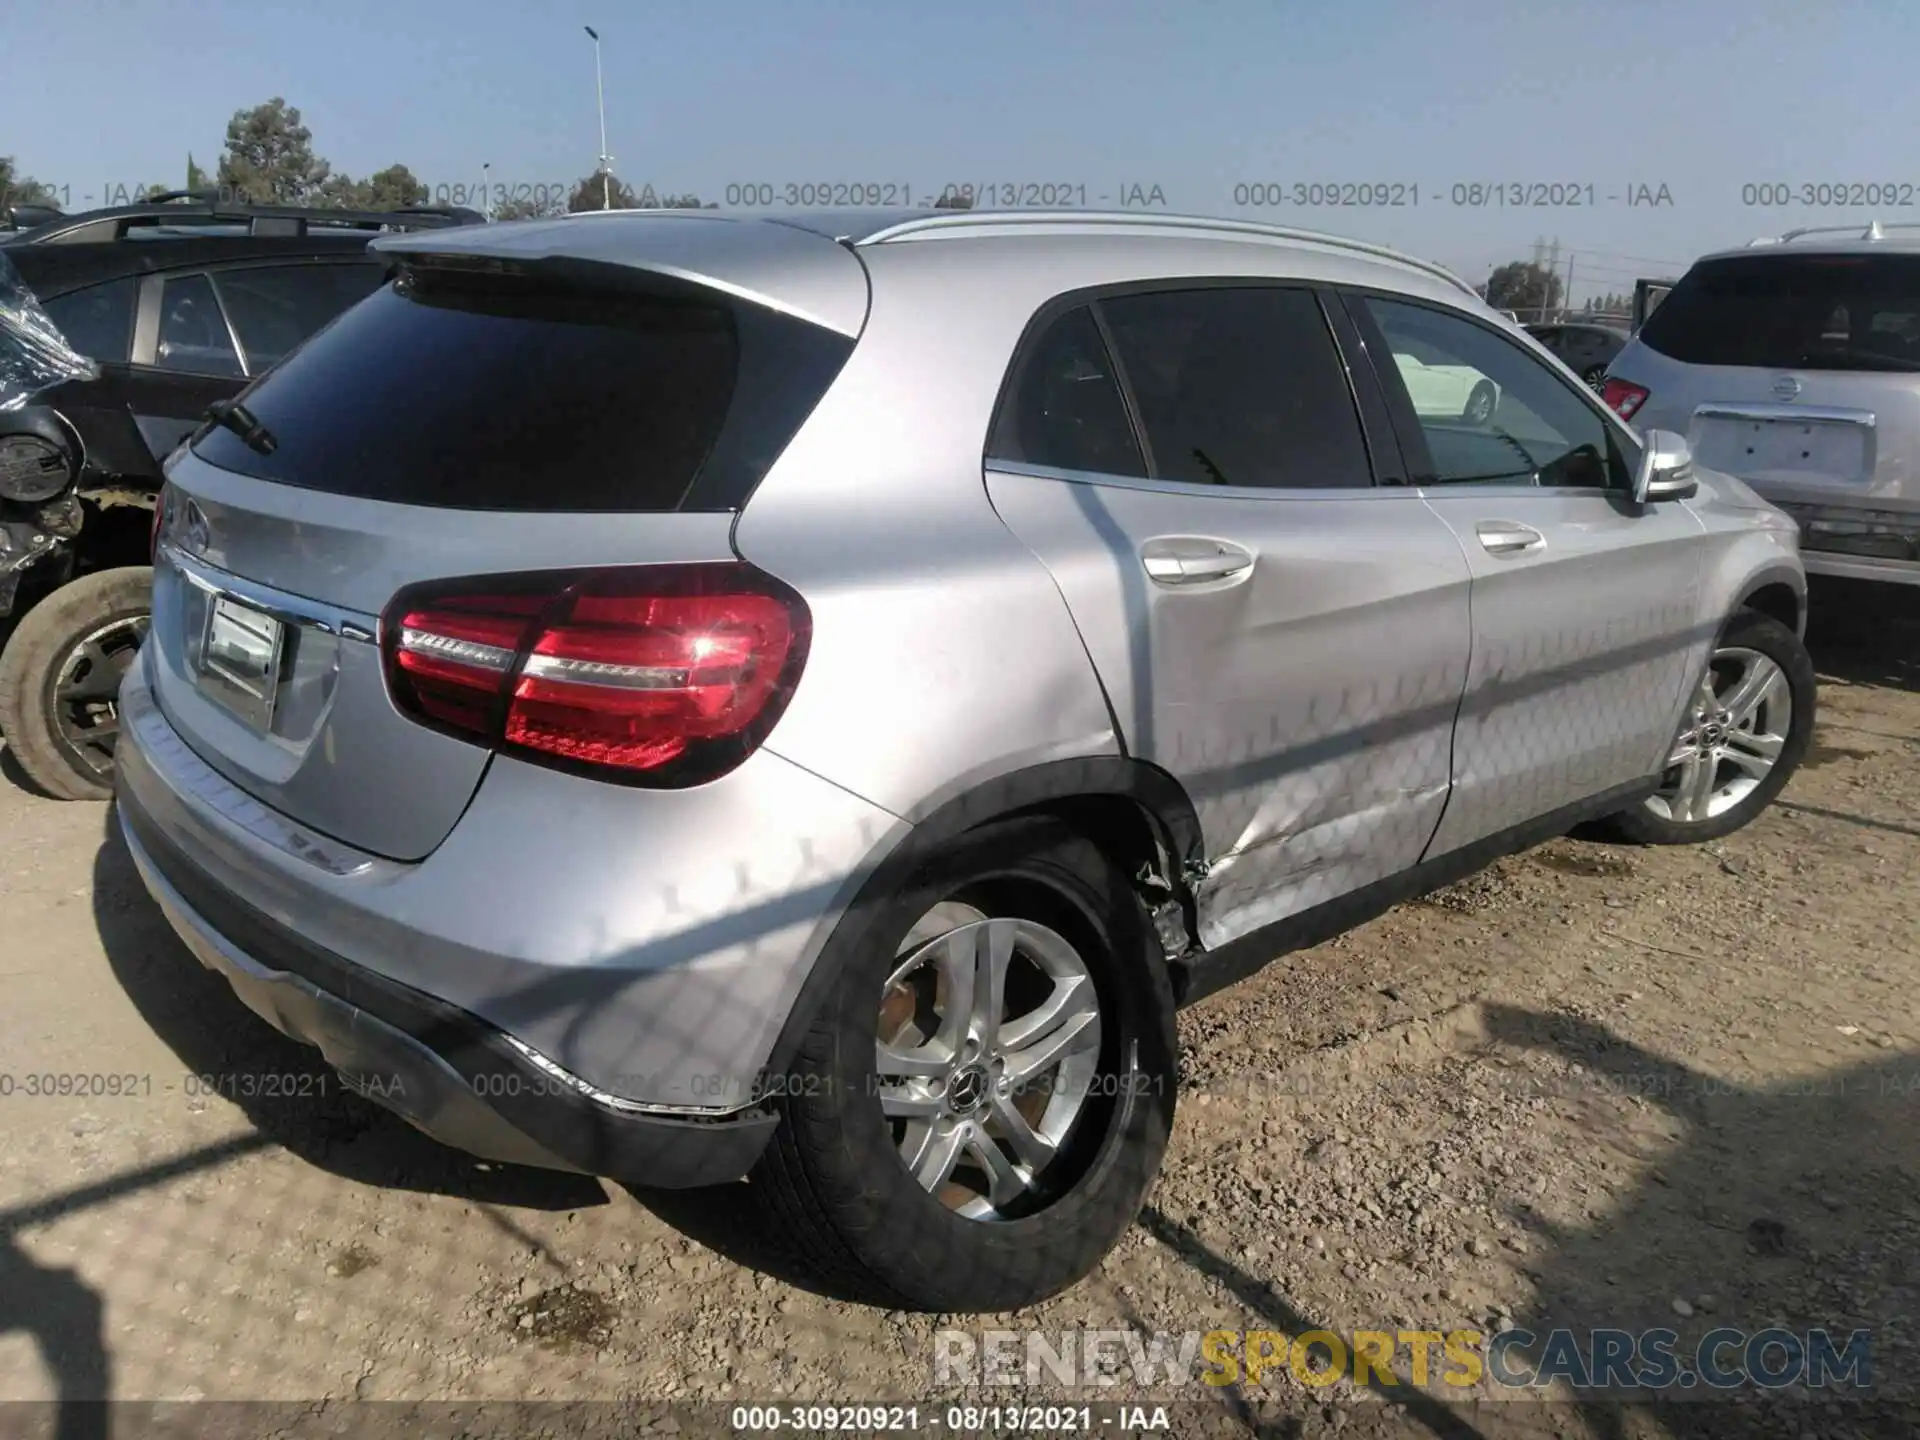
(551, 396)
(1797, 372)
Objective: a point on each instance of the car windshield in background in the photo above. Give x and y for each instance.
(1808, 312)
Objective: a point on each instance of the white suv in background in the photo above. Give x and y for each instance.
(1795, 365)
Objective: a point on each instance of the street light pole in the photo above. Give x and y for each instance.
(486, 188)
(600, 91)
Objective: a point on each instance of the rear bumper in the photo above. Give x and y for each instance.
(582, 975)
(1856, 567)
(443, 1070)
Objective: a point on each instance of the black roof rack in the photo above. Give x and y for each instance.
(188, 209)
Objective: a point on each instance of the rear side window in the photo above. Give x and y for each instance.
(1239, 386)
(509, 392)
(1799, 312)
(97, 321)
(193, 333)
(274, 307)
(1064, 409)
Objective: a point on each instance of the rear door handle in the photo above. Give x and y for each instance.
(1193, 562)
(1508, 537)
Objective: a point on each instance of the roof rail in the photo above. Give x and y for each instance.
(207, 207)
(1875, 230)
(1122, 220)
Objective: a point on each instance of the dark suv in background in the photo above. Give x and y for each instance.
(1584, 347)
(181, 300)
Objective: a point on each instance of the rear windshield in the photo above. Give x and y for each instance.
(492, 392)
(1801, 312)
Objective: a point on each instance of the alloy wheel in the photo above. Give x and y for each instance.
(86, 690)
(1736, 727)
(988, 1047)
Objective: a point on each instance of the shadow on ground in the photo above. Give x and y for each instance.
(285, 1089)
(1793, 1205)
(1865, 633)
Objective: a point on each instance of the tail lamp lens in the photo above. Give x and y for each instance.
(1623, 397)
(666, 675)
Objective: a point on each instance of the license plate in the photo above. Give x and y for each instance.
(240, 661)
(1818, 452)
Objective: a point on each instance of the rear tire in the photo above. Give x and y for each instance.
(1725, 747)
(60, 674)
(1481, 403)
(835, 1180)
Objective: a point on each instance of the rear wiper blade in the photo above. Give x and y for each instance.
(232, 415)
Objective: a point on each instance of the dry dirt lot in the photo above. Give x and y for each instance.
(1591, 1086)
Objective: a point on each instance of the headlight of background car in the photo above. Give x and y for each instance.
(32, 468)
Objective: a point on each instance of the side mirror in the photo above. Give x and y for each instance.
(1666, 469)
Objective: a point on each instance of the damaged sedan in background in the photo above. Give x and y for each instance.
(121, 332)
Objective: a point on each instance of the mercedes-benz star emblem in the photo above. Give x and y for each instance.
(968, 1090)
(196, 533)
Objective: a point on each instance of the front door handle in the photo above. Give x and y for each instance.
(1508, 537)
(1193, 562)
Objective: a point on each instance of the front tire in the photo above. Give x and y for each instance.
(60, 680)
(1747, 728)
(981, 1105)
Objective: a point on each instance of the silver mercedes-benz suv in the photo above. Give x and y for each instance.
(686, 697)
(1794, 363)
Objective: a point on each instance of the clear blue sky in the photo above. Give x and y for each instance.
(1194, 96)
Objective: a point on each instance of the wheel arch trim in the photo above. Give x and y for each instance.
(1789, 576)
(1161, 799)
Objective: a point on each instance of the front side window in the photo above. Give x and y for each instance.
(1490, 412)
(193, 332)
(1240, 386)
(1064, 407)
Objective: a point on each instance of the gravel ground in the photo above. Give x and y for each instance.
(1591, 1086)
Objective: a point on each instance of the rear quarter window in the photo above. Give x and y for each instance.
(97, 320)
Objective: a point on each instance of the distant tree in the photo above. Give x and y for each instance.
(269, 156)
(18, 189)
(1529, 290)
(953, 200)
(602, 191)
(197, 179)
(393, 188)
(688, 201)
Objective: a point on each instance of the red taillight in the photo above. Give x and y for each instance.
(672, 673)
(1623, 397)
